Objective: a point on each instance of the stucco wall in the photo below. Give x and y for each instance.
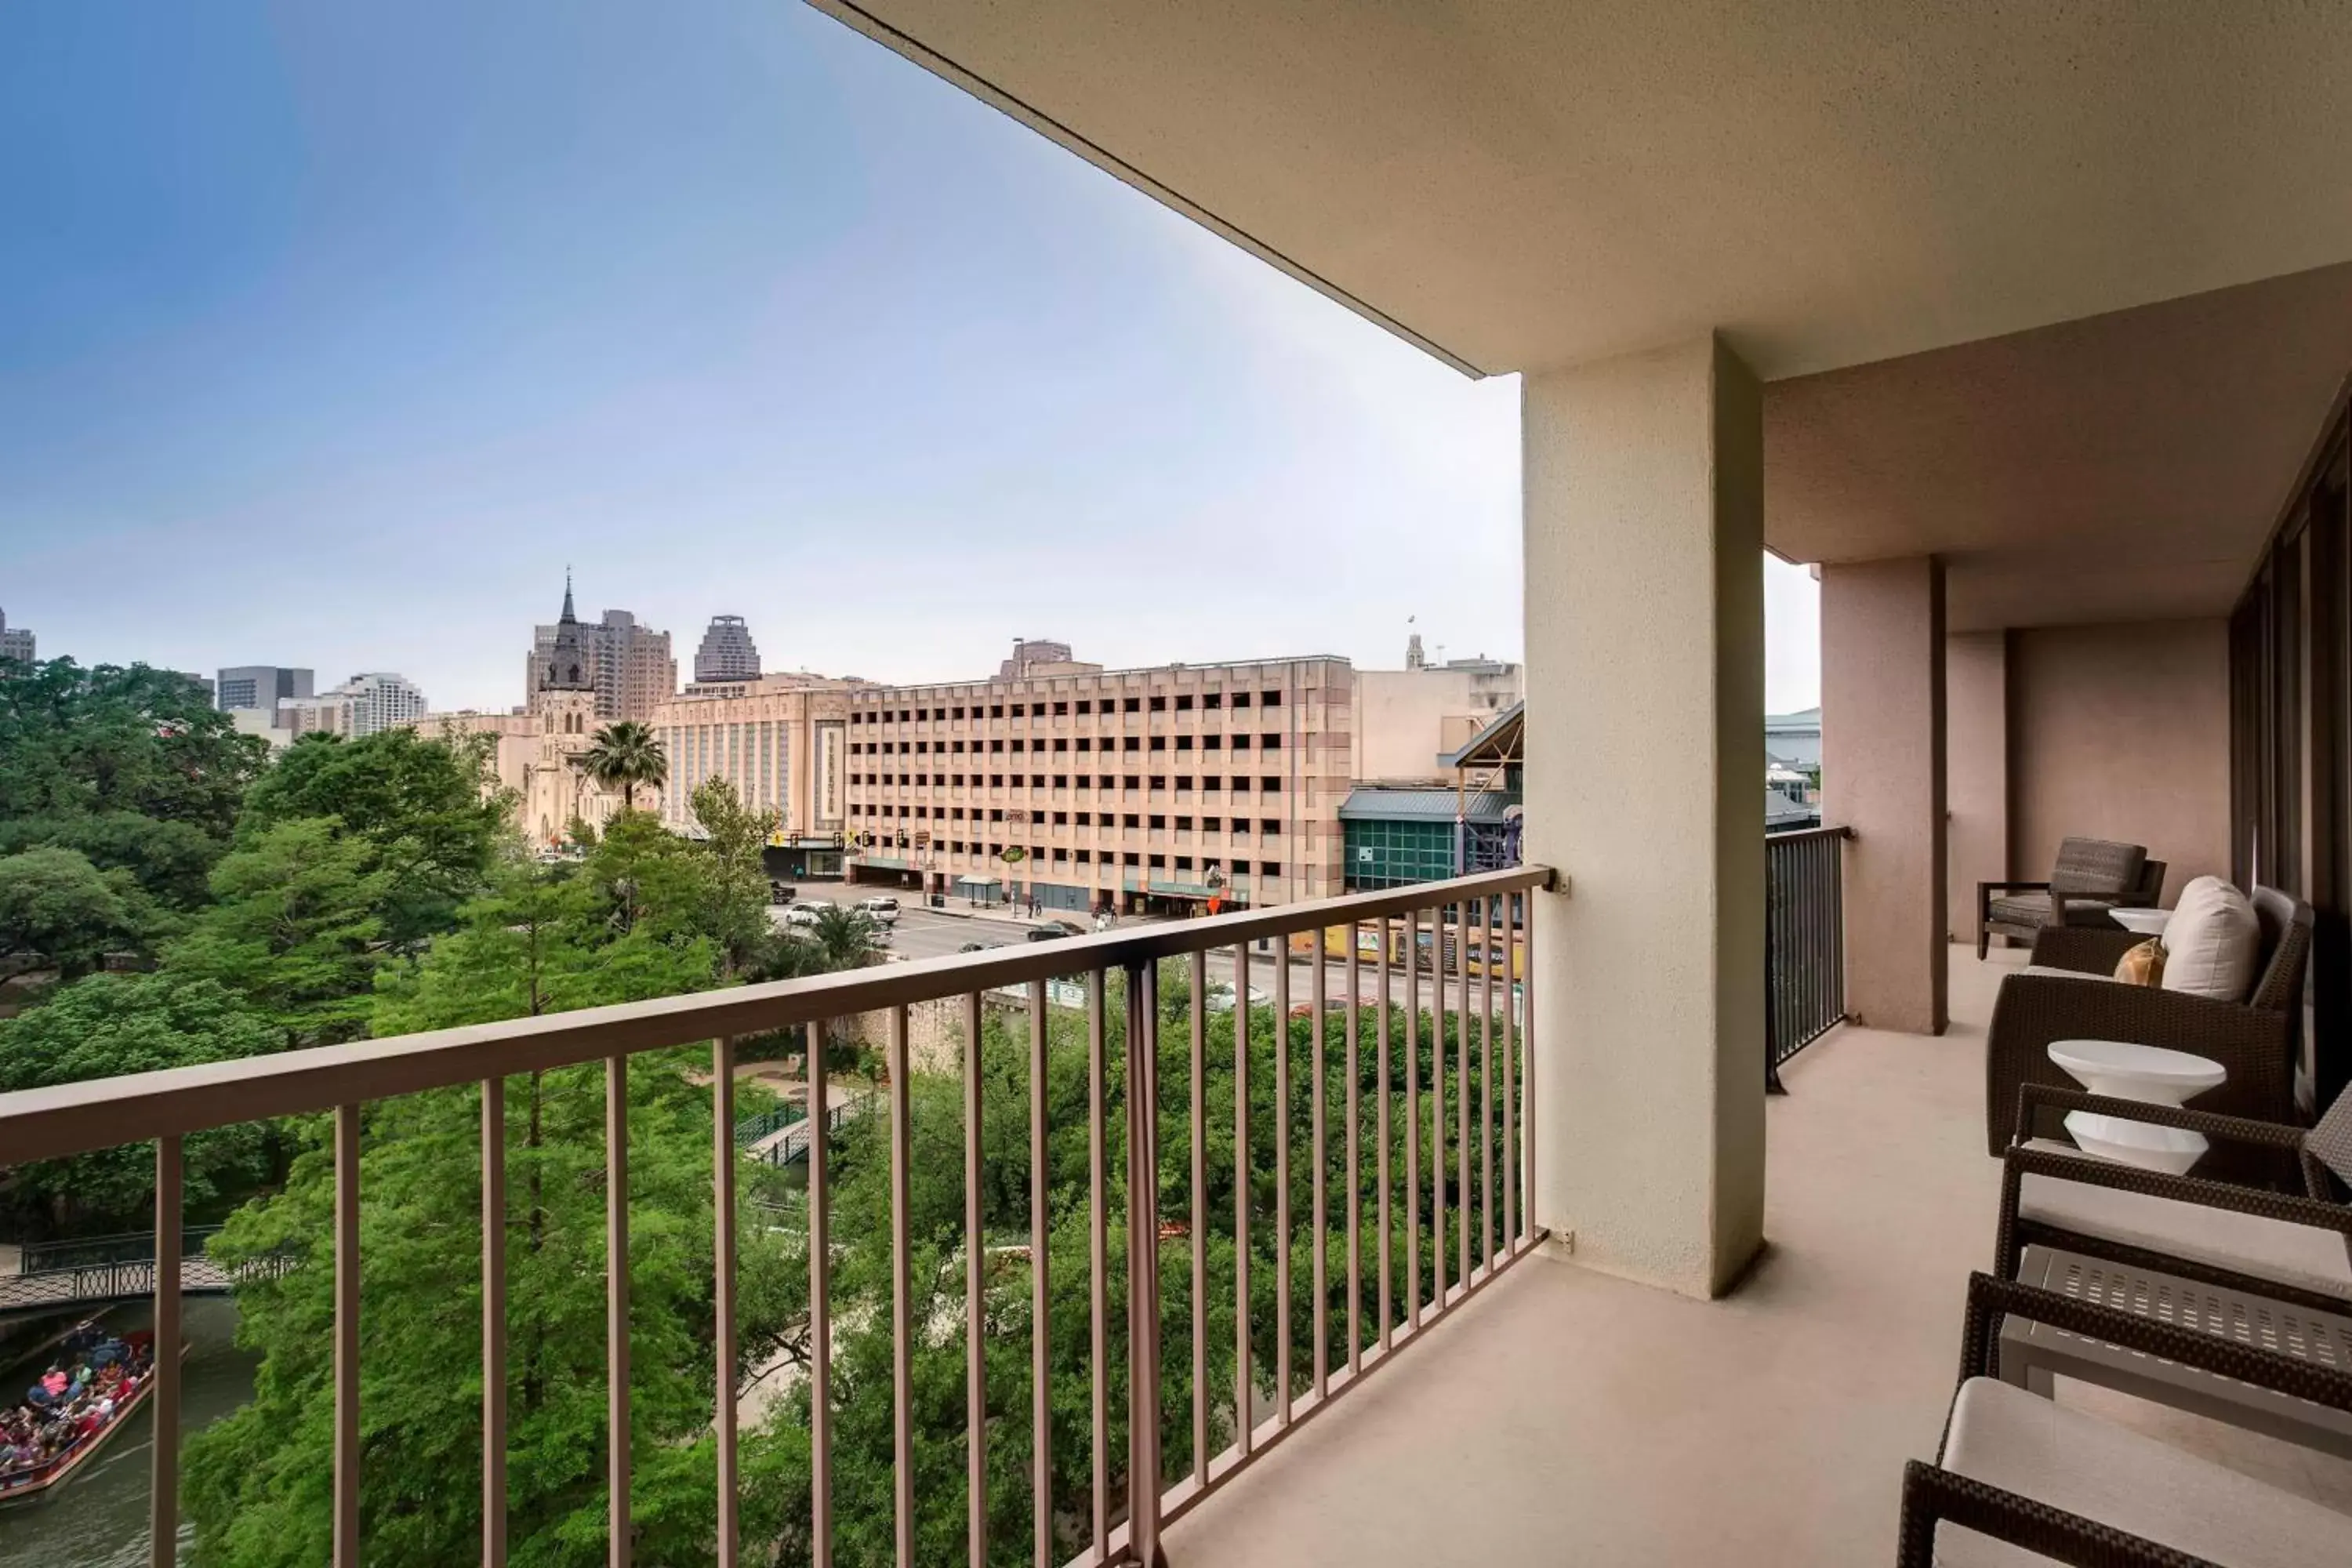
(1976, 774)
(1401, 721)
(2121, 731)
(1883, 748)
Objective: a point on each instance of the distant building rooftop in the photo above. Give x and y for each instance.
(1371, 804)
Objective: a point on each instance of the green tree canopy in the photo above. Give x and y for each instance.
(56, 905)
(738, 877)
(427, 808)
(130, 766)
(296, 930)
(258, 1482)
(113, 1023)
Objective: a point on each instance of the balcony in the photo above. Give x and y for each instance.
(1567, 1406)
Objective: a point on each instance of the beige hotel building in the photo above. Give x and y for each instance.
(1141, 790)
(779, 739)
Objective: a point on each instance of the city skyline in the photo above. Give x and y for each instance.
(745, 316)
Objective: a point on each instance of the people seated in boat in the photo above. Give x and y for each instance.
(72, 1401)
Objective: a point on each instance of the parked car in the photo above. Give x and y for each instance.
(882, 909)
(1220, 997)
(781, 893)
(802, 915)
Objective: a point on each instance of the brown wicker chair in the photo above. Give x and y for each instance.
(2091, 876)
(2257, 1040)
(2084, 1461)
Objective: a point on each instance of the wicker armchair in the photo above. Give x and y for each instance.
(2257, 1040)
(2091, 876)
(2220, 1235)
(2016, 1468)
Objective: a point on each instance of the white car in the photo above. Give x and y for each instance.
(1220, 997)
(802, 915)
(883, 910)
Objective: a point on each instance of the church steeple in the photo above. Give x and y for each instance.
(567, 661)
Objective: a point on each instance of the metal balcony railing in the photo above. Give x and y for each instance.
(1374, 1062)
(1804, 941)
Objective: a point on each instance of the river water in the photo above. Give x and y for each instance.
(99, 1519)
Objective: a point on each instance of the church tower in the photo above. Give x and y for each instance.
(563, 722)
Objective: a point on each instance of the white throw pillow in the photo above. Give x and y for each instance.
(2212, 942)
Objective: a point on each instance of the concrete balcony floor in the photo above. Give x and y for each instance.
(1571, 1417)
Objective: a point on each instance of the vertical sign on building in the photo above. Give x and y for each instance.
(828, 775)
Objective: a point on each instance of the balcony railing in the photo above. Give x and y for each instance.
(1804, 941)
(1436, 1209)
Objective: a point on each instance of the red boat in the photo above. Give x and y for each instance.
(26, 1485)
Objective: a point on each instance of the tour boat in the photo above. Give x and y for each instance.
(24, 1489)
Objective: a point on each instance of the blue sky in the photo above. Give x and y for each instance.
(328, 335)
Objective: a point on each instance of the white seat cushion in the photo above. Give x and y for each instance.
(2023, 1443)
(2297, 1254)
(2213, 942)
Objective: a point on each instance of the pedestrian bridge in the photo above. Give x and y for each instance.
(97, 1271)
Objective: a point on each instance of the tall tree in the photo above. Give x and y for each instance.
(132, 766)
(258, 1483)
(737, 834)
(113, 1023)
(626, 756)
(428, 809)
(56, 908)
(296, 930)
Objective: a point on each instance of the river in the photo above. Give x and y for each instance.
(98, 1520)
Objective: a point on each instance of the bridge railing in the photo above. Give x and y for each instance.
(97, 1283)
(86, 1251)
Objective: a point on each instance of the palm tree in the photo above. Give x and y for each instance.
(625, 756)
(847, 938)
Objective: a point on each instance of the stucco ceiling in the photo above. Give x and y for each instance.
(1845, 189)
(2127, 466)
(1524, 183)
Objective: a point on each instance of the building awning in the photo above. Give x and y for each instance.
(978, 882)
(1375, 805)
(1183, 889)
(1496, 745)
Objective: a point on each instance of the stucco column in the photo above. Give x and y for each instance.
(1883, 774)
(1643, 494)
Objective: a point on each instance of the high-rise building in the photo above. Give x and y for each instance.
(727, 652)
(16, 642)
(629, 665)
(779, 740)
(366, 703)
(261, 686)
(1171, 789)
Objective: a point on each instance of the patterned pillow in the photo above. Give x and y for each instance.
(2142, 965)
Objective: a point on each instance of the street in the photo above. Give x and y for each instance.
(924, 932)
